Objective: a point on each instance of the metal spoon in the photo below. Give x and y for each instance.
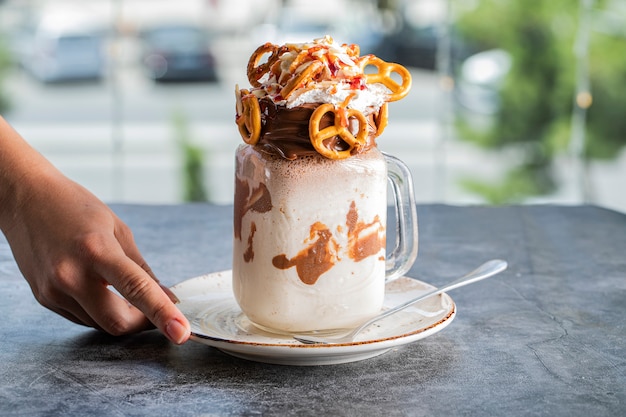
(486, 270)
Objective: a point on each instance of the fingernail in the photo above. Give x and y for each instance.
(170, 294)
(176, 332)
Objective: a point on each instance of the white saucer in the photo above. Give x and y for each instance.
(216, 320)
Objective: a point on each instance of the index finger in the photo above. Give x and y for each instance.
(141, 290)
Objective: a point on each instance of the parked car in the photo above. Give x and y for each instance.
(64, 54)
(410, 46)
(297, 24)
(178, 52)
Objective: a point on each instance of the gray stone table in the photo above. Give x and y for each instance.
(546, 337)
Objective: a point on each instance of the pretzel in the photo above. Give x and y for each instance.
(339, 128)
(249, 120)
(302, 79)
(381, 119)
(276, 71)
(298, 60)
(353, 50)
(255, 70)
(383, 76)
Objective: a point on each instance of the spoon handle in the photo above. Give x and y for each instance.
(486, 270)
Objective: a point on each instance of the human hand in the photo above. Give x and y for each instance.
(70, 247)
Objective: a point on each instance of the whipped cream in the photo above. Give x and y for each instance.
(367, 101)
(342, 82)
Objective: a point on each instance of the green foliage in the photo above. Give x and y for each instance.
(193, 162)
(537, 97)
(606, 118)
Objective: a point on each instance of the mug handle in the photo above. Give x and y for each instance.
(404, 253)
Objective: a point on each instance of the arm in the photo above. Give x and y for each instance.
(70, 247)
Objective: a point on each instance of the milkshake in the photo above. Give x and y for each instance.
(310, 211)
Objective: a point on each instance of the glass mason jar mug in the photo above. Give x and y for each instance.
(309, 248)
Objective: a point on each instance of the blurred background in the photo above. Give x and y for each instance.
(510, 103)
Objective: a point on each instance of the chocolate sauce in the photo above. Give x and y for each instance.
(248, 255)
(258, 200)
(285, 132)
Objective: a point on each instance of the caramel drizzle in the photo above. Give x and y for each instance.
(314, 260)
(364, 240)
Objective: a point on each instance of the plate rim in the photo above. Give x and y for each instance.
(302, 349)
